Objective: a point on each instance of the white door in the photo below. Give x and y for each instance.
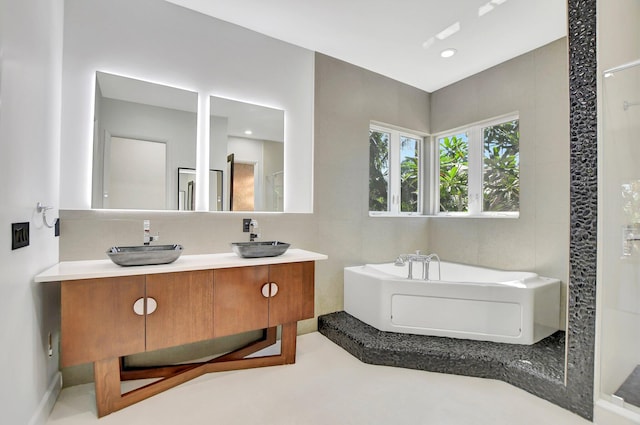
(136, 174)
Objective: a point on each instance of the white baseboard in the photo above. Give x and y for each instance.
(48, 400)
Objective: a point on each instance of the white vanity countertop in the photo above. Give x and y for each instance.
(89, 269)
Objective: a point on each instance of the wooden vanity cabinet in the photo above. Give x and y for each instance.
(105, 319)
(238, 303)
(243, 303)
(183, 314)
(98, 320)
(294, 300)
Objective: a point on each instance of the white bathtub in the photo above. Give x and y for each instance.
(466, 302)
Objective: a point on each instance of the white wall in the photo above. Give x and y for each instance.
(30, 76)
(185, 49)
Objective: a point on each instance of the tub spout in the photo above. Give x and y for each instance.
(425, 270)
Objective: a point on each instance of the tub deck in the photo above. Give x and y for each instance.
(537, 368)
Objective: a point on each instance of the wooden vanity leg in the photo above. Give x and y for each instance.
(106, 374)
(288, 342)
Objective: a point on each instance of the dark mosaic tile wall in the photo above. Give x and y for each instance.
(583, 199)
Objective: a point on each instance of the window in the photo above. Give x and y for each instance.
(394, 172)
(480, 169)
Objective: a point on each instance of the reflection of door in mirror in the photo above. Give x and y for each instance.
(134, 174)
(243, 187)
(215, 190)
(187, 186)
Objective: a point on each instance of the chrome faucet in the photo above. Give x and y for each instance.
(425, 270)
(253, 230)
(425, 260)
(147, 238)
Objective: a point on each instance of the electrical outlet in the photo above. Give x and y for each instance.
(246, 225)
(19, 235)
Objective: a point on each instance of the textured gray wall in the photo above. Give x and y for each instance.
(536, 85)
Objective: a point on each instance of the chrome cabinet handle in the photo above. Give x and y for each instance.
(265, 290)
(274, 288)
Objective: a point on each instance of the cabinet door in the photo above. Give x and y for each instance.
(238, 303)
(184, 311)
(295, 297)
(98, 321)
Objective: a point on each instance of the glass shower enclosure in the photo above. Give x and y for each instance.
(618, 341)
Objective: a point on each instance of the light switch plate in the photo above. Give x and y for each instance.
(19, 235)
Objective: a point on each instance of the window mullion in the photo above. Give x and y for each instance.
(394, 173)
(475, 170)
(432, 175)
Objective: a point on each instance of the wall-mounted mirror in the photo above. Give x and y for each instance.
(253, 136)
(143, 132)
(187, 190)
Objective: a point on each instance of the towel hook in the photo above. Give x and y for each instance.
(42, 209)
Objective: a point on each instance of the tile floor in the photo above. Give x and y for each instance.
(325, 386)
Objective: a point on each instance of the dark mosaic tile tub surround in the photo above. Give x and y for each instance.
(538, 368)
(544, 376)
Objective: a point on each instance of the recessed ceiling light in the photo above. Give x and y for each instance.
(447, 53)
(248, 132)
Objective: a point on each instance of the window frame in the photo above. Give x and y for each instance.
(475, 169)
(395, 172)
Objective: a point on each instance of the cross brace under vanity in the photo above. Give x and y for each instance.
(109, 373)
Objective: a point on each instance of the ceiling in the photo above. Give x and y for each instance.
(402, 39)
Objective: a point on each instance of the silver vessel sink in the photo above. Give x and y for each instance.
(259, 249)
(144, 255)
